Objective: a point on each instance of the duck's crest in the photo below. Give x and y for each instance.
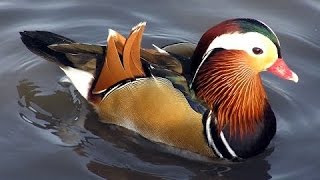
(116, 69)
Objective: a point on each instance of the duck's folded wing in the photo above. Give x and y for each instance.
(75, 48)
(151, 56)
(184, 49)
(171, 62)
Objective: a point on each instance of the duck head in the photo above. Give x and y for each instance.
(226, 72)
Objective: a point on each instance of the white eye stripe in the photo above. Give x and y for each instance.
(238, 41)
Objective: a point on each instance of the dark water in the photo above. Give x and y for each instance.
(49, 132)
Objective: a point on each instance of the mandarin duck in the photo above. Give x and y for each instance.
(206, 98)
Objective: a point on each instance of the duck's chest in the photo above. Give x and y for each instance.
(153, 108)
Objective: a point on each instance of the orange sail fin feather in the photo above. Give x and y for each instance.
(131, 52)
(120, 40)
(114, 70)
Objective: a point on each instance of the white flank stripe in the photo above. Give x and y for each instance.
(209, 136)
(80, 79)
(226, 144)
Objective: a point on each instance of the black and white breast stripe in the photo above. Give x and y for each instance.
(217, 141)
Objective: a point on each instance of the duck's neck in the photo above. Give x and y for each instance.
(233, 91)
(236, 97)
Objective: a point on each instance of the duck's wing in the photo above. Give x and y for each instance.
(150, 56)
(182, 51)
(171, 62)
(67, 52)
(174, 57)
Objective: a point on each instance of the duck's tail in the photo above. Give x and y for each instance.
(38, 42)
(79, 67)
(93, 69)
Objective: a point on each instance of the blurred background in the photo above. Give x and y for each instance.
(49, 132)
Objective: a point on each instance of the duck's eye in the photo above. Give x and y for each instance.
(257, 50)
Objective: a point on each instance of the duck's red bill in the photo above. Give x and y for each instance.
(280, 69)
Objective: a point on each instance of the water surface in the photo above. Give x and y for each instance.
(49, 132)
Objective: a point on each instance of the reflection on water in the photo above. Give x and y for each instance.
(36, 110)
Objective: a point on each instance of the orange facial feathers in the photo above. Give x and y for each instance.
(236, 94)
